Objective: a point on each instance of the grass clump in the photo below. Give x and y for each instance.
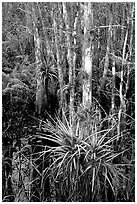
(81, 159)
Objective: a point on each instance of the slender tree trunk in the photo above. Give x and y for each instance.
(75, 39)
(37, 188)
(71, 60)
(112, 41)
(46, 40)
(29, 25)
(130, 47)
(106, 64)
(122, 109)
(40, 90)
(87, 55)
(123, 24)
(58, 35)
(113, 87)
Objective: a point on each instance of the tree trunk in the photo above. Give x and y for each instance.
(39, 193)
(58, 38)
(106, 63)
(40, 89)
(87, 55)
(130, 47)
(112, 41)
(71, 60)
(122, 108)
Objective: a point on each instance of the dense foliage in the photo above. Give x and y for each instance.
(58, 145)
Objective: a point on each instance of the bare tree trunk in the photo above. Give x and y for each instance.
(130, 47)
(58, 35)
(46, 40)
(76, 31)
(40, 90)
(113, 87)
(37, 188)
(71, 60)
(123, 23)
(106, 64)
(87, 55)
(122, 109)
(112, 41)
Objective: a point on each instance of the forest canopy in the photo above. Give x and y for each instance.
(68, 101)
